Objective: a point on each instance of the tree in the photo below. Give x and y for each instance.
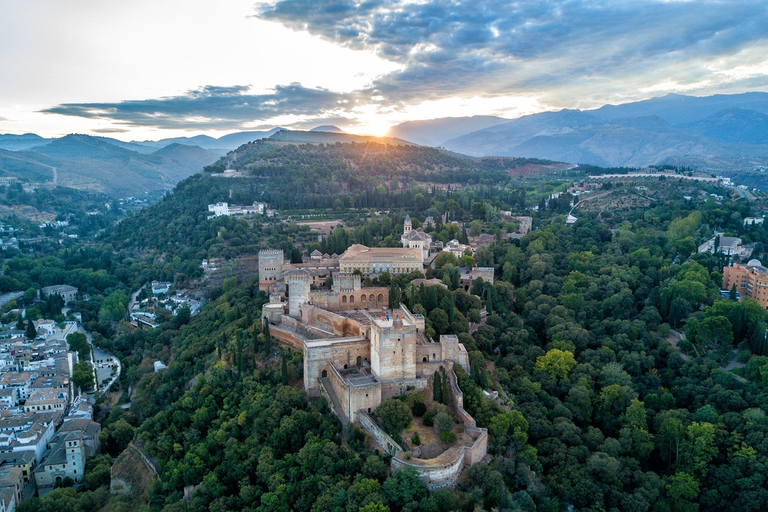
(682, 489)
(508, 428)
(394, 415)
(82, 375)
(437, 388)
(31, 332)
(439, 320)
(395, 296)
(698, 448)
(78, 342)
(557, 363)
(636, 423)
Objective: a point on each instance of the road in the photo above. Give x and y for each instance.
(102, 363)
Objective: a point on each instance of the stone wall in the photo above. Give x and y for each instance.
(476, 452)
(434, 476)
(391, 389)
(378, 435)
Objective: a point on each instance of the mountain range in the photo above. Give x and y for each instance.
(720, 131)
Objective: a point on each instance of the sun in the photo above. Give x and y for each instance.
(376, 126)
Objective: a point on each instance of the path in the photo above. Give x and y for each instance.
(676, 336)
(589, 198)
(35, 162)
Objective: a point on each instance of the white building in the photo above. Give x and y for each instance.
(457, 248)
(159, 287)
(751, 221)
(415, 239)
(220, 209)
(68, 293)
(728, 245)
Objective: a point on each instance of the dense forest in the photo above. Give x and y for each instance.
(607, 340)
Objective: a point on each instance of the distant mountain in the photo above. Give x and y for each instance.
(327, 128)
(96, 163)
(723, 130)
(224, 143)
(434, 132)
(23, 142)
(299, 137)
(733, 125)
(83, 146)
(678, 108)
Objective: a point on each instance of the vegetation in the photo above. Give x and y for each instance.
(597, 410)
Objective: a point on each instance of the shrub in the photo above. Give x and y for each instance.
(415, 439)
(444, 423)
(447, 438)
(418, 409)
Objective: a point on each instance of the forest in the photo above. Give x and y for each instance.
(608, 341)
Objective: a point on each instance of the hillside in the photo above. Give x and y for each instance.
(334, 168)
(97, 164)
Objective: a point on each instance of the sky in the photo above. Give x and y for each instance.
(150, 69)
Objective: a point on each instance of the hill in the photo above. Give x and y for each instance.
(327, 128)
(97, 164)
(12, 142)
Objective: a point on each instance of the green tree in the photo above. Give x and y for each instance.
(394, 415)
(682, 490)
(78, 342)
(31, 332)
(82, 375)
(637, 425)
(557, 363)
(507, 429)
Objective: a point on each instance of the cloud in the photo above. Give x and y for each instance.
(110, 130)
(497, 47)
(213, 107)
(575, 54)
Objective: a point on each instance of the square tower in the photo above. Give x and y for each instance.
(393, 347)
(270, 268)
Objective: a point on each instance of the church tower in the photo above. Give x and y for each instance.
(407, 227)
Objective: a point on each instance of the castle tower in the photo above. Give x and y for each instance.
(270, 268)
(393, 348)
(298, 291)
(407, 226)
(346, 283)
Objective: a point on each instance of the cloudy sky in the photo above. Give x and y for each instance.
(148, 69)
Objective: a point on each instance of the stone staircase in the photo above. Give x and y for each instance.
(335, 404)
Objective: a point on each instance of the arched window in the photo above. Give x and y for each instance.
(343, 299)
(381, 298)
(371, 298)
(351, 299)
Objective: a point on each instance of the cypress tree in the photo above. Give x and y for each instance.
(284, 371)
(437, 388)
(31, 332)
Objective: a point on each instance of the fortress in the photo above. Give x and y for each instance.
(358, 351)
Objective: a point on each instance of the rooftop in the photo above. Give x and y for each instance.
(359, 252)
